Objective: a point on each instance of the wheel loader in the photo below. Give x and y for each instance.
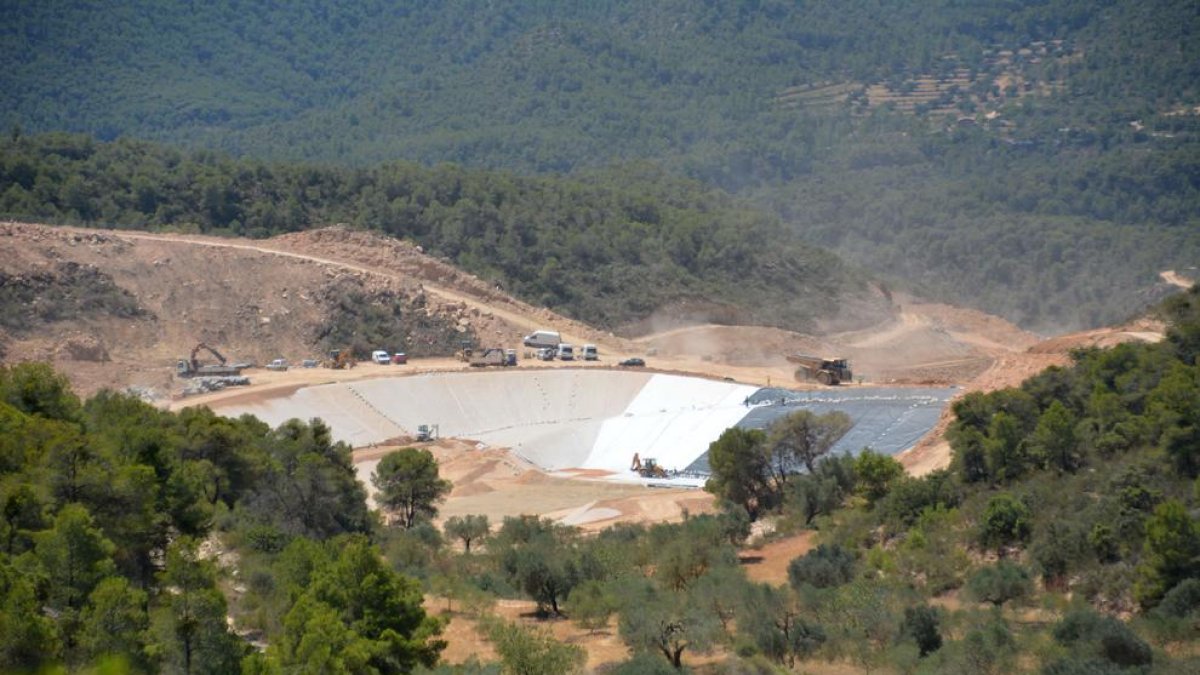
(340, 359)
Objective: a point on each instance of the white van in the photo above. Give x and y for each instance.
(590, 353)
(381, 357)
(543, 338)
(566, 352)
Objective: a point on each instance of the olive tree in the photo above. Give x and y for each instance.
(469, 528)
(803, 437)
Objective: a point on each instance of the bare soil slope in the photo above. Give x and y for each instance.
(253, 301)
(257, 300)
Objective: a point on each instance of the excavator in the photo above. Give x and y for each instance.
(828, 371)
(648, 468)
(191, 366)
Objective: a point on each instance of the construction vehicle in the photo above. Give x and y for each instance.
(191, 366)
(829, 371)
(489, 357)
(427, 432)
(340, 359)
(465, 351)
(648, 468)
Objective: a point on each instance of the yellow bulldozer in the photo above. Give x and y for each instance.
(829, 371)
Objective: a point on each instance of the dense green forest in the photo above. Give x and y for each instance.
(1063, 539)
(108, 558)
(1071, 183)
(609, 247)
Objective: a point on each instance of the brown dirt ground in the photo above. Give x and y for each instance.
(768, 563)
(254, 300)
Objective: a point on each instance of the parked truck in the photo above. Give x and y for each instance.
(494, 356)
(191, 366)
(829, 371)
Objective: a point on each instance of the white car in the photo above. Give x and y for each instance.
(381, 357)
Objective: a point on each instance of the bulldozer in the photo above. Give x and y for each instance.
(340, 359)
(829, 371)
(191, 366)
(647, 468)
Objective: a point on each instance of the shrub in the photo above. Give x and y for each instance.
(822, 567)
(921, 623)
(1181, 601)
(1006, 520)
(999, 583)
(1092, 635)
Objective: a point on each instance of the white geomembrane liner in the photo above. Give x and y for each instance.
(557, 419)
(592, 418)
(673, 420)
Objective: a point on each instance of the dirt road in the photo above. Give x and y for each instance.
(519, 319)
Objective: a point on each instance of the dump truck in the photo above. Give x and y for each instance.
(829, 371)
(191, 366)
(494, 356)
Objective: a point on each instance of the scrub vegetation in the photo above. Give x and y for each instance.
(1071, 497)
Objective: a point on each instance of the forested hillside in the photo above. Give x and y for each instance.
(960, 147)
(610, 247)
(1063, 539)
(110, 562)
(1070, 499)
